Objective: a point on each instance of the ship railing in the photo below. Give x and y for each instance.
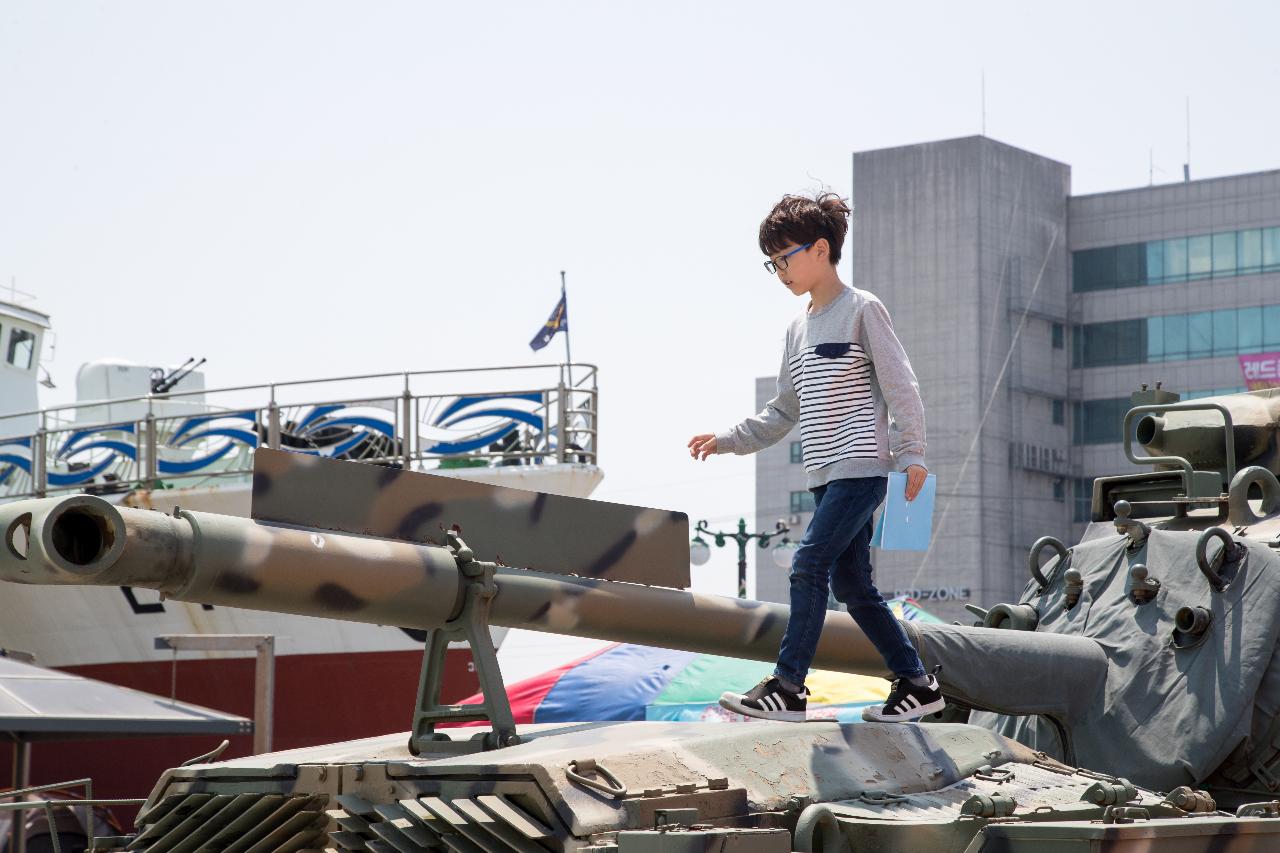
(535, 415)
(88, 804)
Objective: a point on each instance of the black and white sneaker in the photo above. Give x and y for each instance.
(907, 702)
(769, 700)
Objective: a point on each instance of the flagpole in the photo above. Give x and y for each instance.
(567, 354)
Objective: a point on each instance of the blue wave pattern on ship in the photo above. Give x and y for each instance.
(470, 423)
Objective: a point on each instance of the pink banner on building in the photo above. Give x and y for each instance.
(1261, 370)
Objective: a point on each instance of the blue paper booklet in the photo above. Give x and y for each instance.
(906, 525)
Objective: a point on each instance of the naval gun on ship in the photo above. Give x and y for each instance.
(1141, 659)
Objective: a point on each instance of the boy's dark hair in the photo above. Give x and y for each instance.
(799, 219)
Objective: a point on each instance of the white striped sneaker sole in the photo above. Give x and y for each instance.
(906, 710)
(733, 702)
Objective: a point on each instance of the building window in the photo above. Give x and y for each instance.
(1082, 509)
(797, 453)
(1227, 253)
(1059, 412)
(22, 345)
(1099, 421)
(1060, 490)
(1059, 336)
(1177, 337)
(802, 502)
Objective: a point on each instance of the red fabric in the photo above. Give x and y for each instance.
(527, 695)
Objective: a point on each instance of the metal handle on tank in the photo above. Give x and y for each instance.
(818, 828)
(610, 787)
(1033, 559)
(1239, 511)
(1202, 555)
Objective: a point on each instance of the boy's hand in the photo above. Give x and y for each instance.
(915, 480)
(702, 446)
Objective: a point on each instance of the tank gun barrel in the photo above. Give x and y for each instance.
(223, 560)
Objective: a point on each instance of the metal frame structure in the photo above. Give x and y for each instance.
(545, 414)
(264, 672)
(19, 829)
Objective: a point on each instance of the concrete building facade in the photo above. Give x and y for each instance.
(1030, 315)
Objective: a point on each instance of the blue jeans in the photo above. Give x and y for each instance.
(836, 551)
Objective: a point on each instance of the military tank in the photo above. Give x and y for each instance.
(1129, 700)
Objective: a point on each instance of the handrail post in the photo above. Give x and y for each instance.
(595, 424)
(264, 690)
(140, 451)
(39, 472)
(406, 429)
(273, 422)
(151, 473)
(562, 427)
(22, 778)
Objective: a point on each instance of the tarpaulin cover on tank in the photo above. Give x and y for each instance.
(1176, 713)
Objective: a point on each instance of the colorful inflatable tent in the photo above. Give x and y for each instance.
(626, 682)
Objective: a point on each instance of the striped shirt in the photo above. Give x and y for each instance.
(837, 409)
(845, 381)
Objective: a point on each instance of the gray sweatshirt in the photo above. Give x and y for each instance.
(842, 367)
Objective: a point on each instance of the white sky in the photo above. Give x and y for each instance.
(306, 189)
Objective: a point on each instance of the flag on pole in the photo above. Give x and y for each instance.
(557, 322)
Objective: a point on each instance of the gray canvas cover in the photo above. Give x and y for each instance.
(1176, 708)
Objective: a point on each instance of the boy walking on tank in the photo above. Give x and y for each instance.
(843, 374)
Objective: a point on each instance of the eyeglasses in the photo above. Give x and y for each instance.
(781, 263)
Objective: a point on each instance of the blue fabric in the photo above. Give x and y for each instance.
(557, 322)
(835, 552)
(615, 685)
(701, 712)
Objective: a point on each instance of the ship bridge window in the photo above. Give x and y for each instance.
(22, 348)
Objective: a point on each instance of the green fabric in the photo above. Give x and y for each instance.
(706, 677)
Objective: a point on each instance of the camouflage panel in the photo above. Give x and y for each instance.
(532, 530)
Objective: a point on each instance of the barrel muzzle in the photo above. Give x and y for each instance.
(1150, 433)
(59, 540)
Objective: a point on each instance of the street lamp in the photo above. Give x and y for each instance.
(784, 552)
(700, 551)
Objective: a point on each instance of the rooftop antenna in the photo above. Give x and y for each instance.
(984, 101)
(18, 297)
(1186, 167)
